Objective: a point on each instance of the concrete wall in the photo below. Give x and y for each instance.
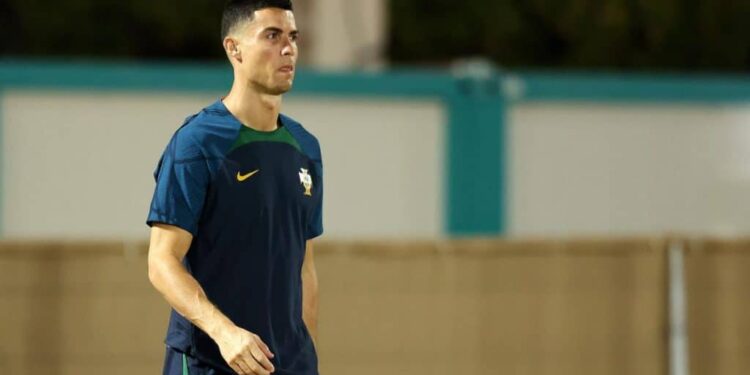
(479, 307)
(718, 324)
(79, 164)
(615, 169)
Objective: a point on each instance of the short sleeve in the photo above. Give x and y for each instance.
(315, 224)
(181, 183)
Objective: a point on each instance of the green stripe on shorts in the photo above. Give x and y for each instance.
(184, 365)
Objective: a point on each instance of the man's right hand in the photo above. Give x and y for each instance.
(245, 352)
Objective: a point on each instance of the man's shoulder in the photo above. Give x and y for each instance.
(205, 121)
(307, 141)
(202, 130)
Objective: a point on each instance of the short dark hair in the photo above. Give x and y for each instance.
(236, 11)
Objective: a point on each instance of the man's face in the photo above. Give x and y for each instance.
(268, 49)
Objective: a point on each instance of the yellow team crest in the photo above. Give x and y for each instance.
(306, 180)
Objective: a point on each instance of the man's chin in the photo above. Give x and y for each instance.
(280, 89)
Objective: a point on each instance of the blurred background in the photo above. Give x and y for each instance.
(517, 187)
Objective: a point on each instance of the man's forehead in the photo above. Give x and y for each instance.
(273, 17)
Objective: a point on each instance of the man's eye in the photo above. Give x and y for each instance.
(272, 35)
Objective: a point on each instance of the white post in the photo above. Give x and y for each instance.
(678, 335)
(348, 34)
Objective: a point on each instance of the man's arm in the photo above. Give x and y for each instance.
(244, 351)
(310, 292)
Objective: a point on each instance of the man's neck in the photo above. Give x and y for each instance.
(255, 110)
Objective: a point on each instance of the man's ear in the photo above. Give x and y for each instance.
(232, 49)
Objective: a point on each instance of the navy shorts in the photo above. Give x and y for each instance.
(178, 363)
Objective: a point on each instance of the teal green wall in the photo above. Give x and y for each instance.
(475, 176)
(2, 162)
(633, 88)
(475, 155)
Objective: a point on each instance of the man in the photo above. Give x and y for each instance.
(237, 203)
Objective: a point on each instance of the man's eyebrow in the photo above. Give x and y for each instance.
(278, 30)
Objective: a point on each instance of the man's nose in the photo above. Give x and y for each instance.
(288, 49)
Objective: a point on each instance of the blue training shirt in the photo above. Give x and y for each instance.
(251, 199)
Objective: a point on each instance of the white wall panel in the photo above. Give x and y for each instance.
(628, 169)
(79, 165)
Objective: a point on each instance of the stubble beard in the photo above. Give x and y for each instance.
(273, 88)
